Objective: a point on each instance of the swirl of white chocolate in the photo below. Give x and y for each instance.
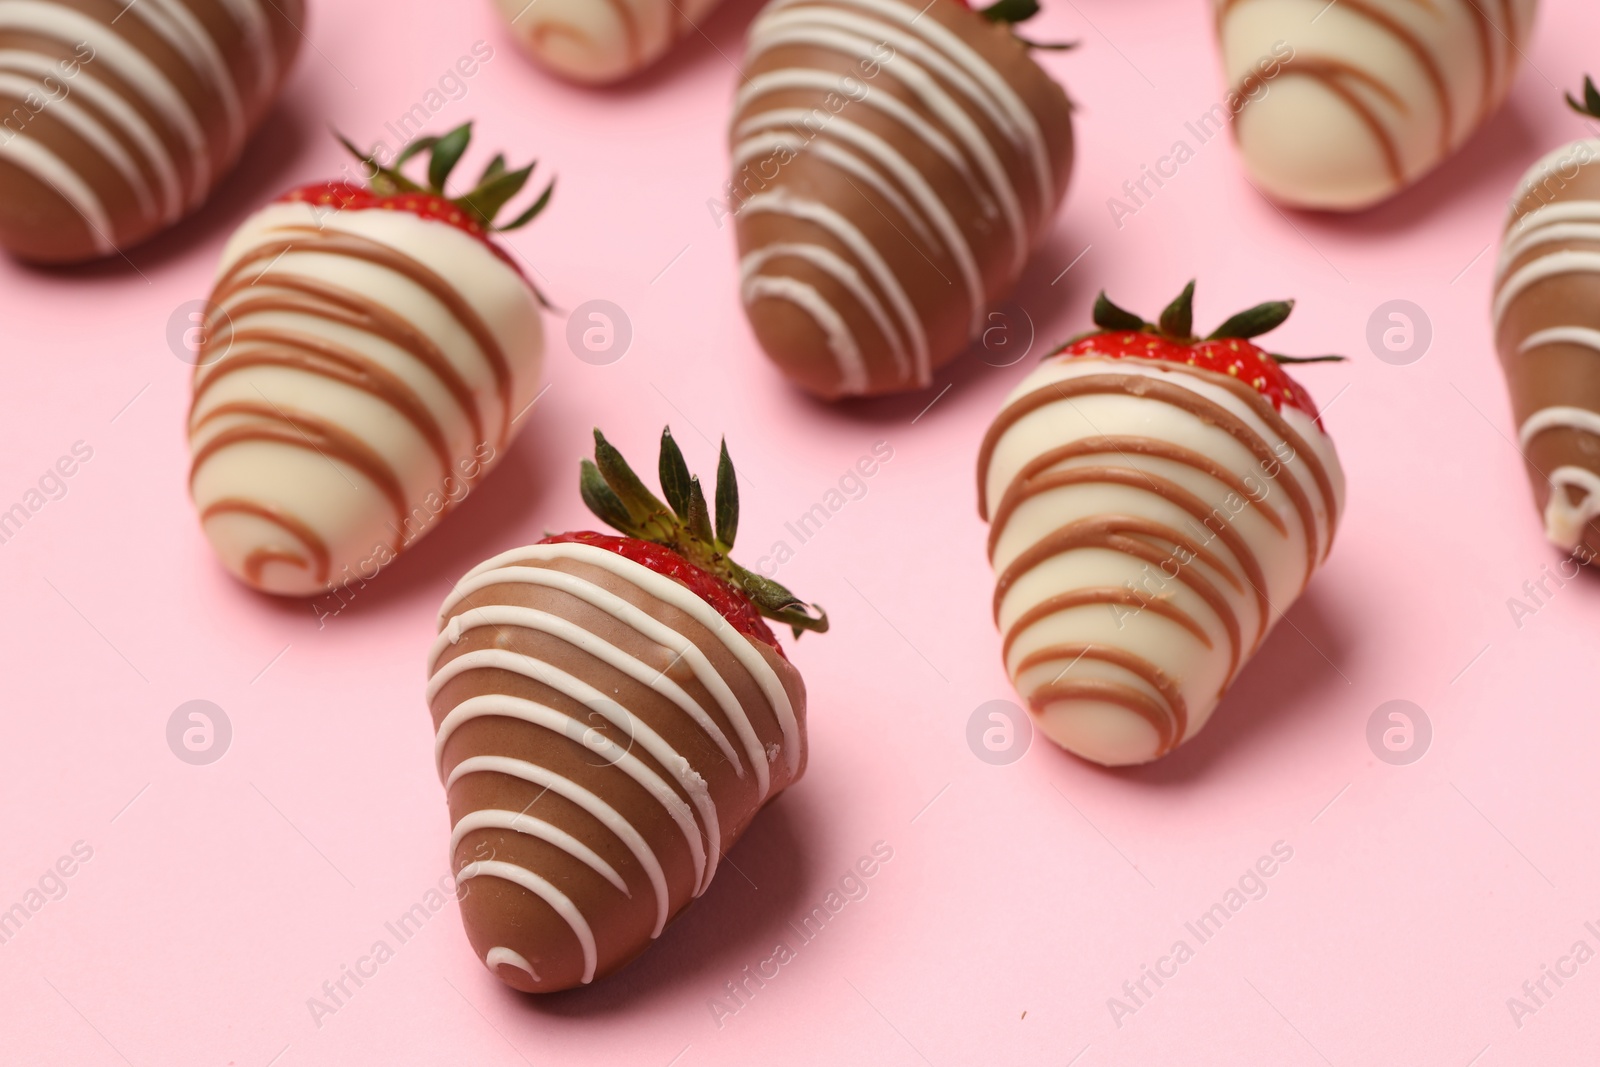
(604, 737)
(1342, 105)
(895, 163)
(1547, 331)
(1149, 523)
(601, 41)
(361, 371)
(118, 119)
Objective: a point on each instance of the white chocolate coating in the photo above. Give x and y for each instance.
(1151, 523)
(362, 373)
(1373, 94)
(601, 41)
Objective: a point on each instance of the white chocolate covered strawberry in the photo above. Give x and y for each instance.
(367, 352)
(1156, 502)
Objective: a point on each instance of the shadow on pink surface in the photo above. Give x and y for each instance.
(1295, 669)
(763, 882)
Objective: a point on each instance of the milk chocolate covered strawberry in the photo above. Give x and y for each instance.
(1156, 501)
(895, 162)
(610, 712)
(1547, 329)
(368, 350)
(117, 119)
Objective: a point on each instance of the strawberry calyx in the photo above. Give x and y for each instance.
(681, 529)
(1590, 104)
(1013, 13)
(389, 188)
(724, 598)
(1226, 350)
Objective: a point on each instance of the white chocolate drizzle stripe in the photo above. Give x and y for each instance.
(498, 615)
(498, 819)
(78, 120)
(1558, 417)
(886, 156)
(559, 902)
(604, 813)
(1581, 336)
(957, 63)
(124, 60)
(640, 620)
(782, 202)
(1552, 265)
(51, 169)
(497, 704)
(679, 596)
(500, 955)
(597, 703)
(841, 342)
(773, 31)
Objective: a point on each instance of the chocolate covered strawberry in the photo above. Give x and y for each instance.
(895, 163)
(610, 714)
(368, 351)
(1156, 500)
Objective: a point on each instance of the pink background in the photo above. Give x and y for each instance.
(1020, 898)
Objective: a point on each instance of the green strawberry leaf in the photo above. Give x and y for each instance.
(1263, 318)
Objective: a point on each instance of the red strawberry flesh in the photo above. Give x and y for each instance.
(347, 196)
(727, 600)
(1233, 357)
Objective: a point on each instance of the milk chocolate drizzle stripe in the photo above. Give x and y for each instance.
(1023, 489)
(1110, 596)
(1171, 732)
(589, 802)
(318, 564)
(1177, 396)
(1136, 537)
(323, 242)
(520, 567)
(1098, 689)
(315, 298)
(1331, 73)
(274, 423)
(1127, 446)
(312, 355)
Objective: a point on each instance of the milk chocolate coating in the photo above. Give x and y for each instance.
(894, 164)
(604, 736)
(1149, 523)
(1339, 106)
(601, 41)
(118, 119)
(1547, 331)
